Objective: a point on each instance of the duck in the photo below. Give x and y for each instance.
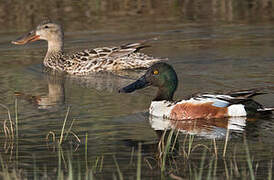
(202, 105)
(109, 59)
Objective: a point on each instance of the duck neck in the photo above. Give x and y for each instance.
(55, 46)
(165, 94)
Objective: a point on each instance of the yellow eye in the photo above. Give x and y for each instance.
(155, 72)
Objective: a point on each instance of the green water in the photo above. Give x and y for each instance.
(216, 46)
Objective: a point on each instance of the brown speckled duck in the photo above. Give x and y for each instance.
(86, 61)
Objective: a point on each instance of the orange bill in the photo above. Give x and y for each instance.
(29, 37)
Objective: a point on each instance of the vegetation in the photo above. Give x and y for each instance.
(175, 157)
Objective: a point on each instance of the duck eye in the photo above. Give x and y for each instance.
(155, 72)
(46, 27)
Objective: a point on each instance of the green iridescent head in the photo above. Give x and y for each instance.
(161, 75)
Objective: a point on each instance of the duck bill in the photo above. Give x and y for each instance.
(29, 37)
(139, 84)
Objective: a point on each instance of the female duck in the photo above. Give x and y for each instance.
(206, 106)
(86, 61)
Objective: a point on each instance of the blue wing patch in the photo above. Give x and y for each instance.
(219, 103)
(217, 100)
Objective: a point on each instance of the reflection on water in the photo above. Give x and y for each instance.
(213, 45)
(207, 128)
(55, 96)
(105, 81)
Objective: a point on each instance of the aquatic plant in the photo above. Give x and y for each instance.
(175, 157)
(63, 137)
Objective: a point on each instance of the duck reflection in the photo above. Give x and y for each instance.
(176, 132)
(105, 81)
(206, 128)
(55, 96)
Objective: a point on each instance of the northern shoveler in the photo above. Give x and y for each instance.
(163, 76)
(85, 61)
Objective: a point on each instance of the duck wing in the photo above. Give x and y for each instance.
(233, 97)
(108, 52)
(109, 59)
(243, 97)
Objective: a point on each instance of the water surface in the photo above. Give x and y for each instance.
(218, 51)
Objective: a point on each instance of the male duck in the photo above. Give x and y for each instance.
(85, 61)
(206, 106)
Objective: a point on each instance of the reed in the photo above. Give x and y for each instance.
(66, 170)
(199, 177)
(8, 125)
(270, 170)
(63, 128)
(86, 152)
(101, 163)
(249, 162)
(226, 142)
(166, 148)
(118, 168)
(171, 164)
(139, 161)
(64, 133)
(210, 169)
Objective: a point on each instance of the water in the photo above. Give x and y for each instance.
(222, 50)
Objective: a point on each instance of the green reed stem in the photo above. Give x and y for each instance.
(248, 159)
(86, 151)
(118, 168)
(210, 169)
(190, 142)
(101, 164)
(166, 150)
(202, 166)
(95, 164)
(139, 161)
(63, 128)
(79, 169)
(59, 164)
(70, 127)
(226, 141)
(5, 170)
(270, 171)
(16, 118)
(70, 170)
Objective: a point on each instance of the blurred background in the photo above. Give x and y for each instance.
(18, 15)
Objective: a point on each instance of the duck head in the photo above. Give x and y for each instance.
(161, 75)
(47, 30)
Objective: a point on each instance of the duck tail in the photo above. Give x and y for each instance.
(135, 46)
(266, 109)
(145, 41)
(139, 45)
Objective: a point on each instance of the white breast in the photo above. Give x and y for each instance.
(163, 108)
(160, 108)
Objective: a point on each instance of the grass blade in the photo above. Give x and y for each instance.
(139, 161)
(63, 128)
(118, 169)
(248, 159)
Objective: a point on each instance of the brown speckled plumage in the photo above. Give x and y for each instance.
(86, 61)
